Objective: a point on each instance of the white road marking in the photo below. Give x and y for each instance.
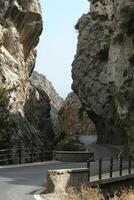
(38, 197)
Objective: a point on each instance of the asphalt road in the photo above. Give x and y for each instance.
(100, 150)
(21, 183)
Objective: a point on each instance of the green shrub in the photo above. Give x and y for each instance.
(94, 15)
(3, 96)
(4, 116)
(128, 23)
(6, 22)
(69, 144)
(119, 38)
(103, 54)
(1, 5)
(59, 134)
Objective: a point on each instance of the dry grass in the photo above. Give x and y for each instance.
(125, 195)
(85, 194)
(96, 194)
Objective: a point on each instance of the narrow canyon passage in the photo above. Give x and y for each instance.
(96, 115)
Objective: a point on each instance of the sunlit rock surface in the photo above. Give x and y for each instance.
(73, 120)
(29, 108)
(103, 69)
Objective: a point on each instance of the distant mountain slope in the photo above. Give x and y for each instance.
(73, 119)
(41, 82)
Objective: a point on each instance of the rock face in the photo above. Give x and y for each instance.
(103, 69)
(28, 107)
(40, 81)
(73, 119)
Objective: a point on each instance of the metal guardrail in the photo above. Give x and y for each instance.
(24, 155)
(113, 165)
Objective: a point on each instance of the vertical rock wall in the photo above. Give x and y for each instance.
(103, 69)
(29, 108)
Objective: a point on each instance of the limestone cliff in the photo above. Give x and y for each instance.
(73, 119)
(103, 69)
(40, 81)
(28, 108)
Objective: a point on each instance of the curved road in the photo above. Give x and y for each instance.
(20, 183)
(100, 150)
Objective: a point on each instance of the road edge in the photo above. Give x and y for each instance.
(53, 162)
(37, 195)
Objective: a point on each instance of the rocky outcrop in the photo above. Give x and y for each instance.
(29, 108)
(56, 102)
(103, 69)
(73, 119)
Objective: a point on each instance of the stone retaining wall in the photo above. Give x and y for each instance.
(60, 180)
(73, 156)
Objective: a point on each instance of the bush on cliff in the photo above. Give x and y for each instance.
(1, 5)
(69, 144)
(4, 115)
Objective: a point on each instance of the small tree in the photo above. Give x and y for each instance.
(4, 116)
(1, 4)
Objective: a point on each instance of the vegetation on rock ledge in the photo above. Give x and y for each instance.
(70, 144)
(4, 115)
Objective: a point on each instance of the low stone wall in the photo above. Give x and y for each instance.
(73, 156)
(60, 180)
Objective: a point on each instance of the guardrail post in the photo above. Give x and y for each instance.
(54, 155)
(111, 167)
(129, 165)
(8, 156)
(42, 154)
(20, 156)
(32, 153)
(100, 168)
(88, 166)
(121, 165)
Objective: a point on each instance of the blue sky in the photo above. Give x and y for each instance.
(58, 42)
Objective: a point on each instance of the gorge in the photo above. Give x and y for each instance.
(102, 73)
